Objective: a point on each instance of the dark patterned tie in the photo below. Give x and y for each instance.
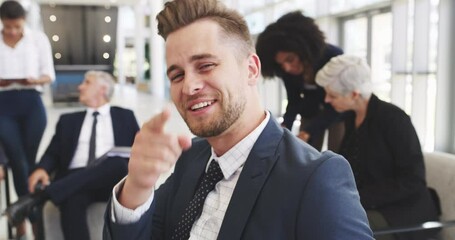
(194, 209)
(92, 143)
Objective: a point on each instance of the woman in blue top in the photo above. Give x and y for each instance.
(294, 49)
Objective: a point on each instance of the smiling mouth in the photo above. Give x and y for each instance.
(201, 105)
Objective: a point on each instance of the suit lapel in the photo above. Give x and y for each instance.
(189, 182)
(76, 127)
(115, 128)
(252, 178)
(72, 131)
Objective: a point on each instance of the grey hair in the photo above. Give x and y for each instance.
(344, 74)
(105, 79)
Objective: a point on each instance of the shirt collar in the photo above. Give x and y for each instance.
(103, 110)
(235, 158)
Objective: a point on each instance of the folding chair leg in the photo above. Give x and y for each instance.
(8, 200)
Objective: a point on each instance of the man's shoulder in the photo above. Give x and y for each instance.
(298, 152)
(120, 109)
(72, 115)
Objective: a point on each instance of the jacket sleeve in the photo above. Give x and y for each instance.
(292, 108)
(409, 172)
(330, 206)
(140, 230)
(150, 226)
(49, 160)
(3, 158)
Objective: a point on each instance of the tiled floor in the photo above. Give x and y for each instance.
(143, 104)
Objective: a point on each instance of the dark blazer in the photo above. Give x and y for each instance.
(390, 173)
(286, 190)
(3, 158)
(62, 147)
(309, 102)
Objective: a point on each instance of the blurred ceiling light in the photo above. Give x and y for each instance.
(53, 18)
(107, 19)
(106, 38)
(55, 38)
(106, 55)
(58, 55)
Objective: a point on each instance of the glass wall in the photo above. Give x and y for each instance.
(369, 35)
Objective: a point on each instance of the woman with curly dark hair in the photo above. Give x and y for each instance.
(293, 48)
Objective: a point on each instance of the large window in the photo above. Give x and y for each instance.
(363, 31)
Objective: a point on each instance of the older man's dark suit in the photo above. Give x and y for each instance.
(287, 190)
(73, 190)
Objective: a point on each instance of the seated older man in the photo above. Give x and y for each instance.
(79, 140)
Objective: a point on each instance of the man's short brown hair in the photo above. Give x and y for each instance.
(180, 13)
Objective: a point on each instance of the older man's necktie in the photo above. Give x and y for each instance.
(92, 143)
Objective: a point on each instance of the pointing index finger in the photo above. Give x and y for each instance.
(157, 123)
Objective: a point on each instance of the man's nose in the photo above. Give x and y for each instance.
(192, 84)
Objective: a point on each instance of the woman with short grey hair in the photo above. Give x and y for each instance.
(346, 74)
(382, 147)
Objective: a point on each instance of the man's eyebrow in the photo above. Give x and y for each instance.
(192, 59)
(202, 56)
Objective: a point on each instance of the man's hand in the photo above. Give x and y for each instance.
(39, 175)
(154, 152)
(304, 136)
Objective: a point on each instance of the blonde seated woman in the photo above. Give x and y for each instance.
(382, 147)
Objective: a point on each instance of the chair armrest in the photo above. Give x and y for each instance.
(414, 228)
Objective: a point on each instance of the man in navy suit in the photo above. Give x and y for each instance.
(77, 181)
(270, 184)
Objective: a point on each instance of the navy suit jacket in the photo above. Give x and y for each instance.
(63, 145)
(286, 190)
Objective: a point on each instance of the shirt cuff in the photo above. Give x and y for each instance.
(123, 215)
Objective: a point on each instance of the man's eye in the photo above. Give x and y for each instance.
(207, 66)
(176, 77)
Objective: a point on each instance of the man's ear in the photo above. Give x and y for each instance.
(254, 69)
(355, 94)
(103, 90)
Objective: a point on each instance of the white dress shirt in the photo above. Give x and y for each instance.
(104, 136)
(31, 57)
(208, 225)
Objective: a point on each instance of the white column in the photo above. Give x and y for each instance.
(445, 102)
(139, 42)
(158, 65)
(120, 48)
(399, 51)
(420, 66)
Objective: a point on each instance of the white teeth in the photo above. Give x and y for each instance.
(201, 105)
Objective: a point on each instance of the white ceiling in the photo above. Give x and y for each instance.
(89, 2)
(100, 2)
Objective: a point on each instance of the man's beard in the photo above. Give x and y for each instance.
(217, 126)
